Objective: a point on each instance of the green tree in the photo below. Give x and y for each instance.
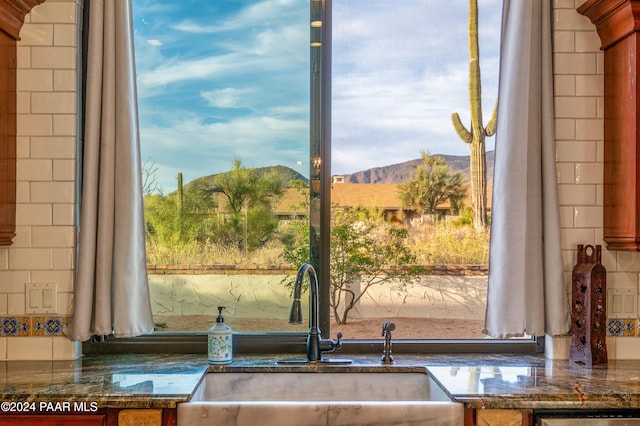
(475, 137)
(250, 194)
(363, 253)
(203, 191)
(367, 254)
(248, 188)
(457, 198)
(431, 184)
(170, 225)
(296, 247)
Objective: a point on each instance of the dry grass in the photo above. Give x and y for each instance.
(446, 244)
(198, 253)
(439, 243)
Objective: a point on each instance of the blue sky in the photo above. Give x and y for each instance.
(225, 79)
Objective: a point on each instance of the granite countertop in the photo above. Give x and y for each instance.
(507, 381)
(107, 381)
(500, 381)
(479, 381)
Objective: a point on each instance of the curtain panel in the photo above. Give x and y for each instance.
(526, 294)
(111, 294)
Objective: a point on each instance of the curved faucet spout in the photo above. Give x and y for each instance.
(315, 345)
(295, 316)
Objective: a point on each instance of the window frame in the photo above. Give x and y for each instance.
(295, 343)
(245, 343)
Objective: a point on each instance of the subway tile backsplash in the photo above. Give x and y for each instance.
(579, 141)
(43, 249)
(47, 127)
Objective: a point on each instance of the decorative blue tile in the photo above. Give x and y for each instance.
(621, 327)
(48, 326)
(14, 326)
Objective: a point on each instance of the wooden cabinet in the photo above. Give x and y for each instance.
(12, 13)
(618, 25)
(7, 138)
(497, 417)
(105, 417)
(61, 420)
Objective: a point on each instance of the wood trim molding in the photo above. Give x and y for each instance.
(614, 19)
(12, 14)
(618, 25)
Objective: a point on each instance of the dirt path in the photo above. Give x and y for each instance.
(425, 328)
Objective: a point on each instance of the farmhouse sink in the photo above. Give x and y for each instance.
(312, 398)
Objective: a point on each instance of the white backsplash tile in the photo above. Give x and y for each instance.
(29, 348)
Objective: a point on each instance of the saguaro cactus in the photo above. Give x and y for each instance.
(180, 206)
(180, 193)
(476, 135)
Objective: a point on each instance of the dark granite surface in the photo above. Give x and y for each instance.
(140, 381)
(489, 381)
(537, 382)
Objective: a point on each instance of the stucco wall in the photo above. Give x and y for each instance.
(265, 296)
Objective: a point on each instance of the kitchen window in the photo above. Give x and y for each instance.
(214, 77)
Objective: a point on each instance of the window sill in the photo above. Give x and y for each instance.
(294, 343)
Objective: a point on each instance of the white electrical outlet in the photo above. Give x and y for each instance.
(41, 298)
(622, 303)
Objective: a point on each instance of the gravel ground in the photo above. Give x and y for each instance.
(426, 328)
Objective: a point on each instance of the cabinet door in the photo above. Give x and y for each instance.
(12, 14)
(62, 420)
(616, 22)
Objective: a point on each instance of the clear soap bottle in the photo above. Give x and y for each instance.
(220, 341)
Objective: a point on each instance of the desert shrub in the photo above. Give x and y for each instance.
(209, 253)
(443, 243)
(364, 247)
(294, 236)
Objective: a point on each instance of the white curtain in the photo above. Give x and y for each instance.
(111, 294)
(526, 295)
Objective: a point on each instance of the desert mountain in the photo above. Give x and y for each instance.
(398, 173)
(394, 173)
(287, 172)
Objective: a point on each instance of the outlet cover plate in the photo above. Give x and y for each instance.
(622, 303)
(41, 298)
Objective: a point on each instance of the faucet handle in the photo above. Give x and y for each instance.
(330, 345)
(388, 327)
(338, 342)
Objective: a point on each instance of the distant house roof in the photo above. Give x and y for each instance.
(378, 195)
(366, 195)
(292, 201)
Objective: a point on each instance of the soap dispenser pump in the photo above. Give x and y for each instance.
(220, 340)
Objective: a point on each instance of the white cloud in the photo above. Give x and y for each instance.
(198, 149)
(153, 42)
(259, 14)
(209, 67)
(397, 78)
(398, 75)
(229, 97)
